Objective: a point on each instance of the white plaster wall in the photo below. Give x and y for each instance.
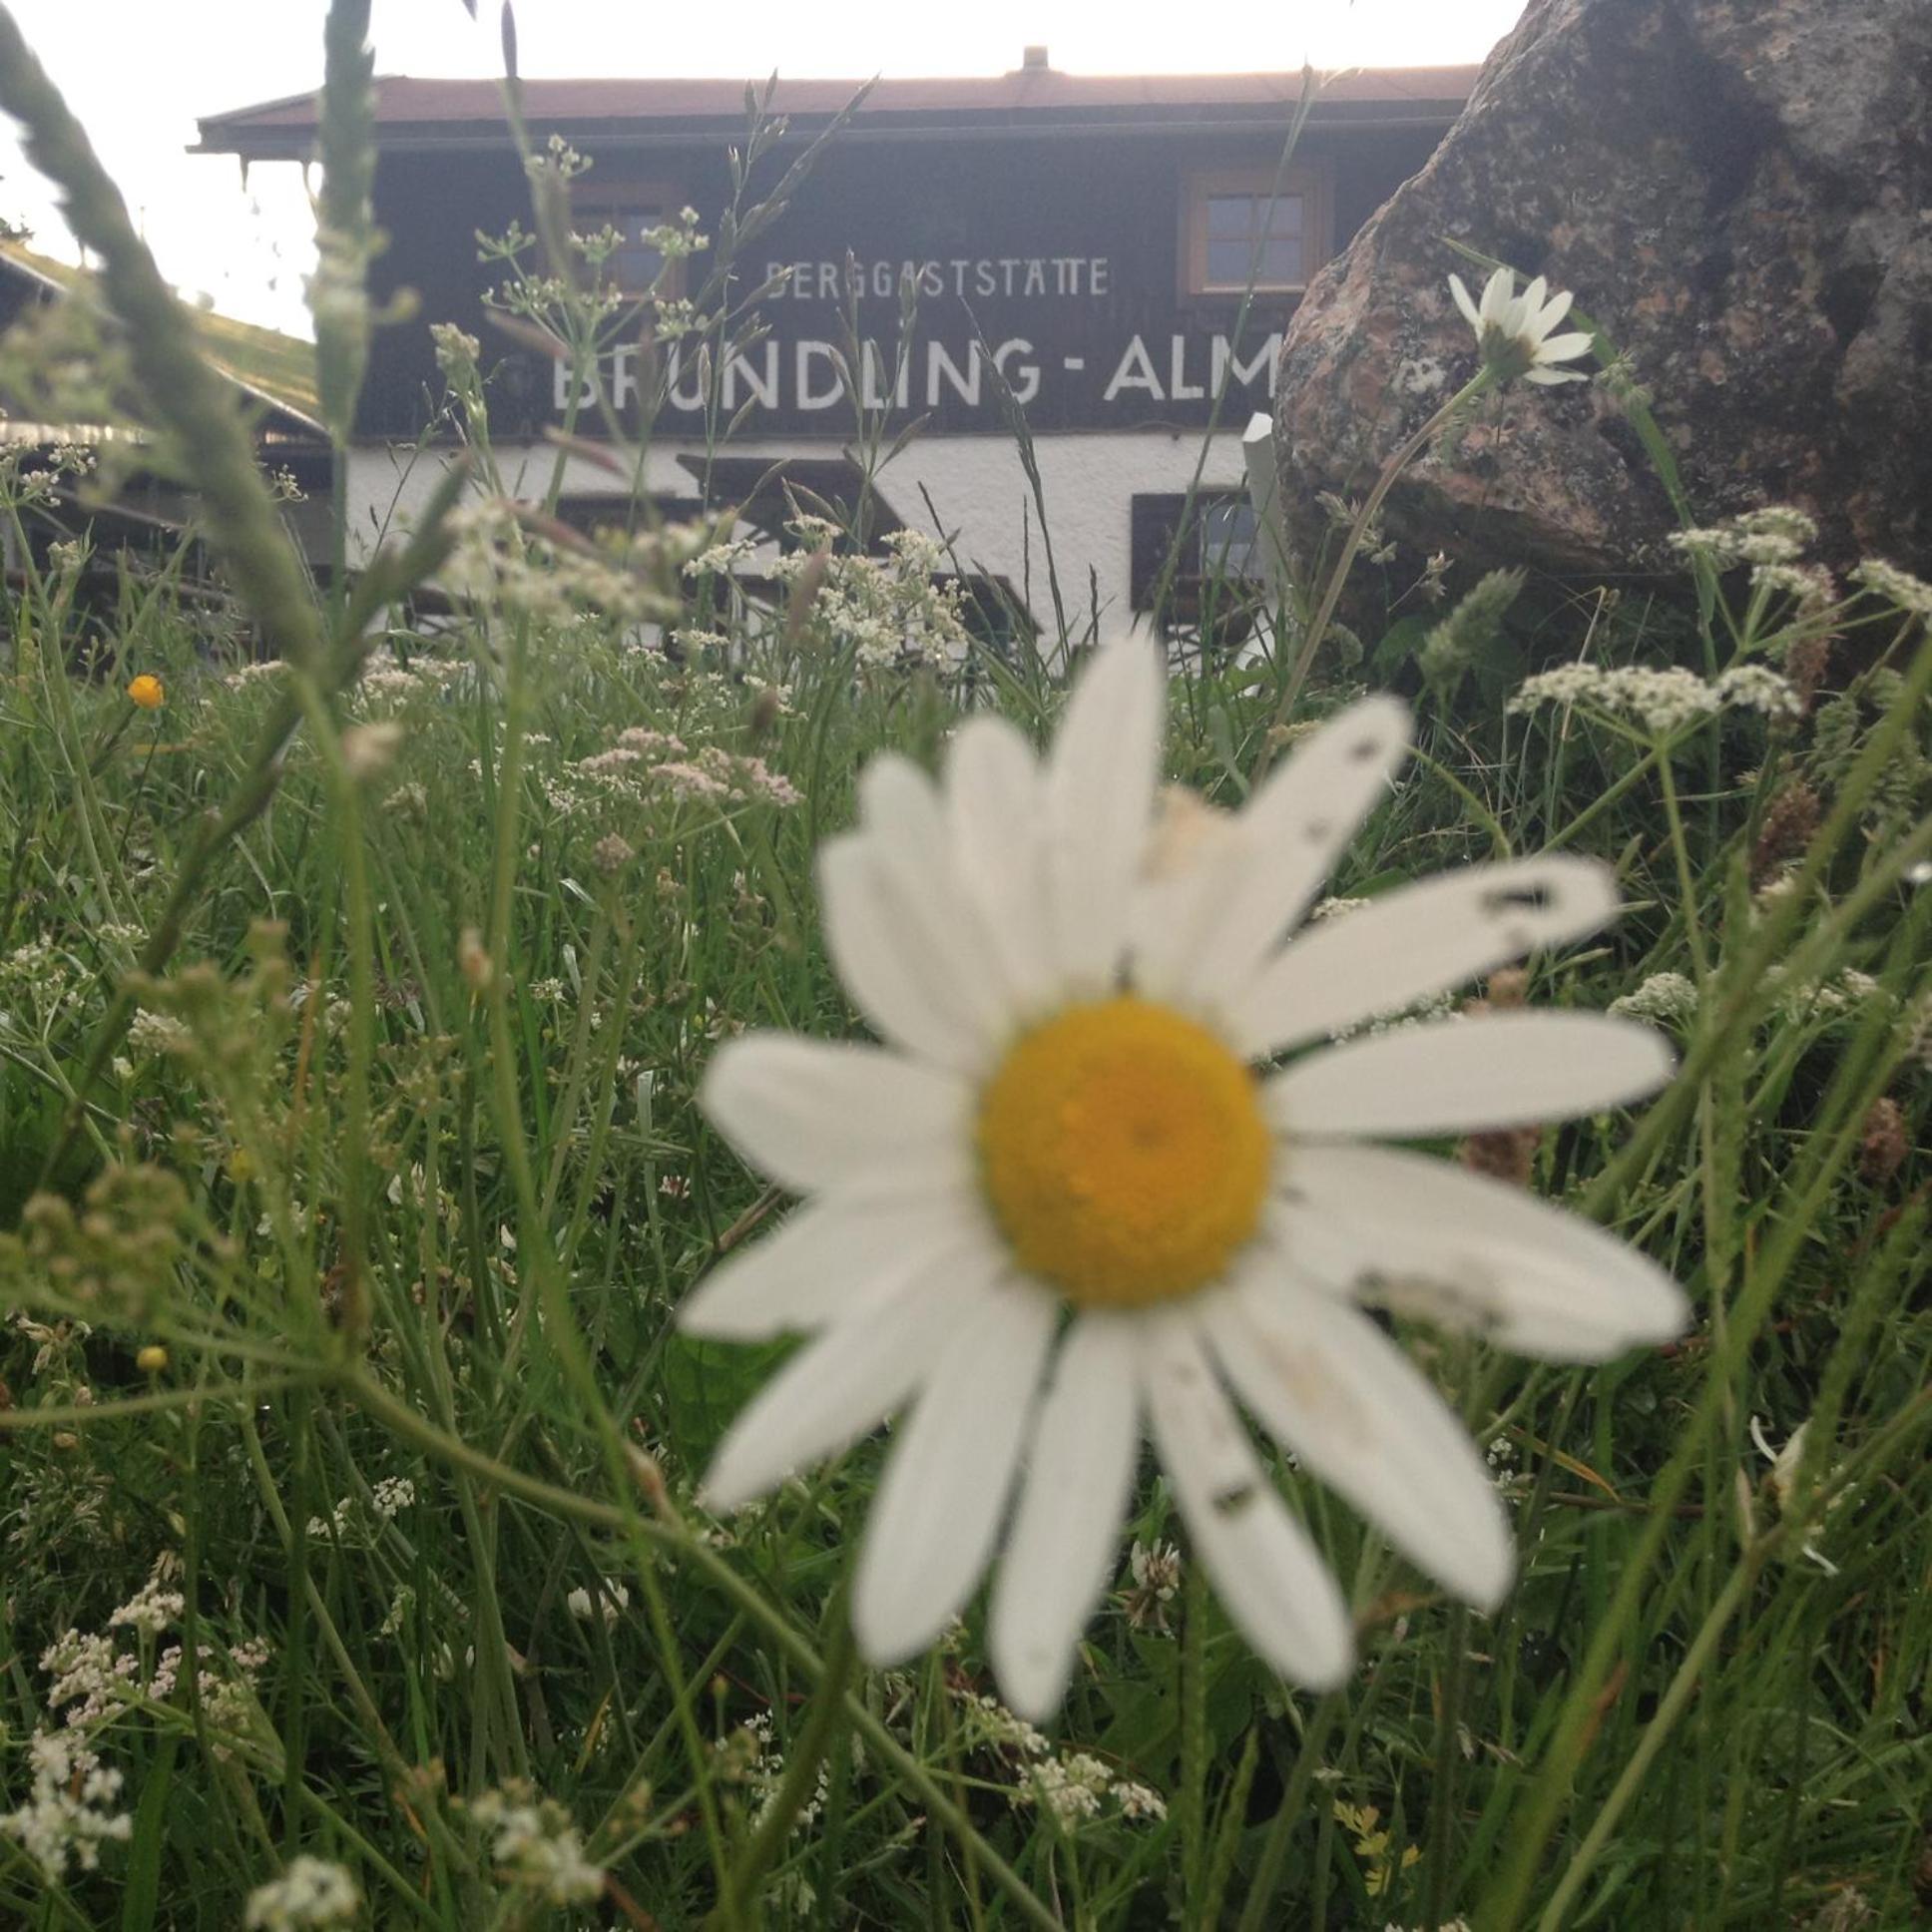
(975, 483)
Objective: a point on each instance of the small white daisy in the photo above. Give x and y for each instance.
(1071, 1199)
(1512, 332)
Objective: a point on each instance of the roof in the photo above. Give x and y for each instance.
(433, 113)
(273, 367)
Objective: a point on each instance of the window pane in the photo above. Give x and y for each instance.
(1230, 213)
(1228, 540)
(1286, 216)
(635, 265)
(1281, 263)
(1228, 264)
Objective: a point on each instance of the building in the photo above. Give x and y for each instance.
(126, 503)
(1084, 245)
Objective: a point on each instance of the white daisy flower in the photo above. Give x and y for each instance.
(1071, 1199)
(1512, 332)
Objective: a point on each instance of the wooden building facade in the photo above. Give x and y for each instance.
(1080, 247)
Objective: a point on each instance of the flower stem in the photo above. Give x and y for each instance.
(1338, 575)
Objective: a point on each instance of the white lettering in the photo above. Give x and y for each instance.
(1227, 363)
(1027, 384)
(762, 384)
(965, 382)
(1179, 389)
(1134, 371)
(808, 396)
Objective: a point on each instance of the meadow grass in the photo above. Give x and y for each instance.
(351, 1010)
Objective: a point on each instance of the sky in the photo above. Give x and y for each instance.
(139, 72)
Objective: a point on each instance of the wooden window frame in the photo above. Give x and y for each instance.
(596, 203)
(1312, 183)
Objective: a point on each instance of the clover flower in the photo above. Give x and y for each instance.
(1512, 332)
(1073, 1199)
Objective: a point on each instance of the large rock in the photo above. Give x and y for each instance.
(1739, 193)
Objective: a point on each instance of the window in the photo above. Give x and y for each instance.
(1219, 573)
(1241, 224)
(634, 210)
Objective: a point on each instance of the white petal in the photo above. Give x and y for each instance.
(893, 969)
(1464, 1076)
(937, 1512)
(843, 1385)
(1532, 300)
(1267, 1572)
(1259, 880)
(996, 811)
(1546, 375)
(1564, 349)
(1100, 798)
(1468, 307)
(1079, 1472)
(841, 1256)
(1323, 1380)
(1499, 297)
(1416, 941)
(1551, 312)
(1471, 1253)
(912, 842)
(813, 1113)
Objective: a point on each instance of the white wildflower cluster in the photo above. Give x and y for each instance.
(389, 1497)
(1899, 588)
(610, 1603)
(1811, 586)
(1776, 534)
(261, 671)
(1663, 698)
(752, 1752)
(536, 1847)
(499, 562)
(1843, 996)
(644, 763)
(152, 1608)
(311, 1892)
(1503, 1471)
(69, 1813)
(1667, 999)
(895, 609)
(389, 681)
(1074, 1787)
(720, 559)
(151, 1034)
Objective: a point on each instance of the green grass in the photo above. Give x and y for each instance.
(399, 1166)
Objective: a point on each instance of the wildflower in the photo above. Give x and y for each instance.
(391, 1496)
(1512, 332)
(148, 691)
(1156, 1570)
(610, 1603)
(68, 1815)
(313, 1891)
(1068, 1124)
(152, 1360)
(1668, 999)
(1899, 588)
(537, 1847)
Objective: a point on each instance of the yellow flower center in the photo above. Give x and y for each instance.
(1124, 1154)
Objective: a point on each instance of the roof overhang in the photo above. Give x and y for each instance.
(417, 114)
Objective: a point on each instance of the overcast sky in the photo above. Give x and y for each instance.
(139, 72)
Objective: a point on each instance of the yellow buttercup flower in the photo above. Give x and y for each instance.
(148, 691)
